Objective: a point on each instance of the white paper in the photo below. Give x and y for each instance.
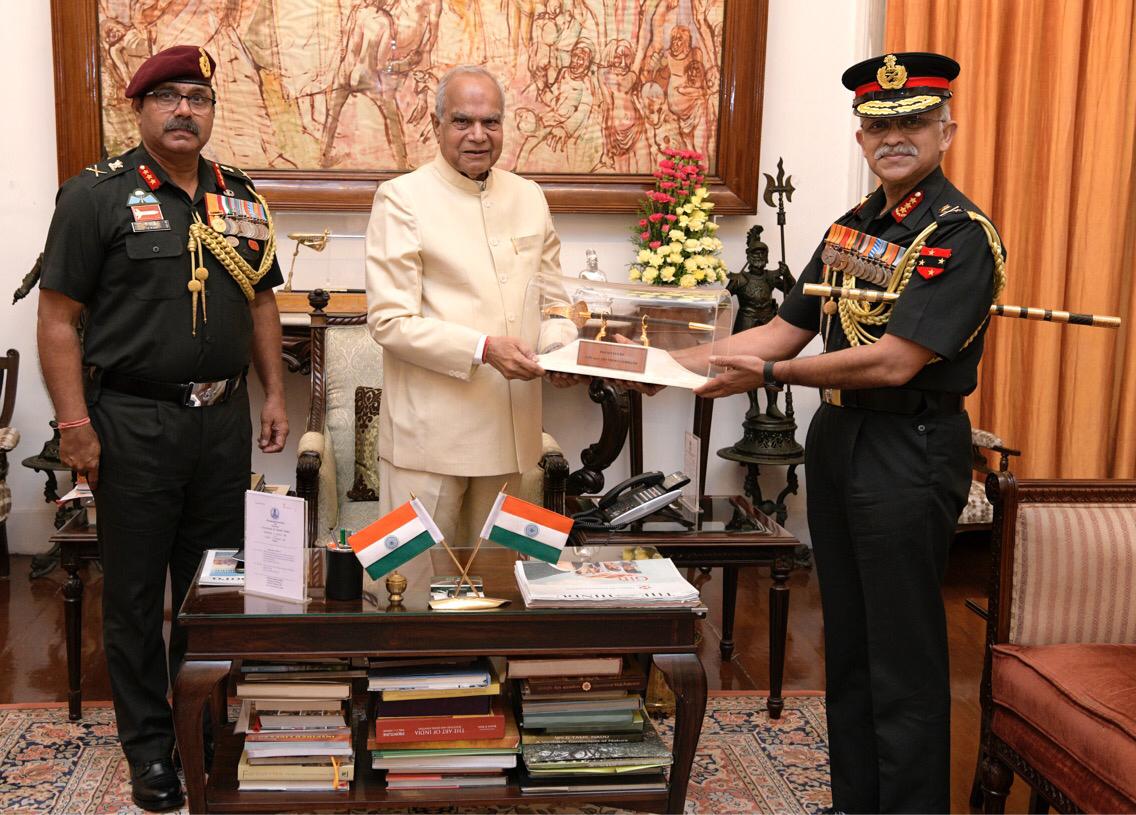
(275, 546)
(691, 460)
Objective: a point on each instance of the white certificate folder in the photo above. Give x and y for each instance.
(276, 559)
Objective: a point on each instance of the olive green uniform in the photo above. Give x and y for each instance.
(888, 474)
(171, 477)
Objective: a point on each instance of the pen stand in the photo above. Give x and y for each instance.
(344, 575)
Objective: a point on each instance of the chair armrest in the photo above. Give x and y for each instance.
(316, 481)
(555, 468)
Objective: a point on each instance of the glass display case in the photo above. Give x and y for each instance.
(634, 332)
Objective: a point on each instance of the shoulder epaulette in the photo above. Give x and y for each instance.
(100, 171)
(949, 213)
(236, 172)
(856, 209)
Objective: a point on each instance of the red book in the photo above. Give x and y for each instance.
(398, 729)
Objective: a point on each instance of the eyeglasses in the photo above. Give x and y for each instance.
(906, 124)
(167, 99)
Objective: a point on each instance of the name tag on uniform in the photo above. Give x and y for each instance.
(150, 226)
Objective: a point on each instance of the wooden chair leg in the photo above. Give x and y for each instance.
(996, 781)
(4, 564)
(976, 784)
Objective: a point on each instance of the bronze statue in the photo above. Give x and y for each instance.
(754, 286)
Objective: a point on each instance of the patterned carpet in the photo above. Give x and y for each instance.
(746, 763)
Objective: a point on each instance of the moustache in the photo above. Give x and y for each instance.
(182, 123)
(886, 150)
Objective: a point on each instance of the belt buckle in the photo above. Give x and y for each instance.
(204, 394)
(831, 396)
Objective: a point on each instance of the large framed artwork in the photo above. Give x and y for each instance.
(320, 100)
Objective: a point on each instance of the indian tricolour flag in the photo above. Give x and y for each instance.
(527, 528)
(395, 538)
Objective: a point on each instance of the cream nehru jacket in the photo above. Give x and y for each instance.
(448, 261)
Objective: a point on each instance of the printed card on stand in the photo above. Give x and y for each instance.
(276, 559)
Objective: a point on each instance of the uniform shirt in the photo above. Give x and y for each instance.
(134, 283)
(938, 313)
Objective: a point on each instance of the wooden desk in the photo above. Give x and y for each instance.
(77, 542)
(728, 533)
(223, 625)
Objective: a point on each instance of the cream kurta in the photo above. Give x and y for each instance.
(446, 263)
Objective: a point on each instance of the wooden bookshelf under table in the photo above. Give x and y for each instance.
(728, 533)
(222, 629)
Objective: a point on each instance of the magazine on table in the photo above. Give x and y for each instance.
(612, 583)
(220, 569)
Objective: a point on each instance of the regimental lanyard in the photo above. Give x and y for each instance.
(861, 255)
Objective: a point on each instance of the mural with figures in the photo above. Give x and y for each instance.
(592, 86)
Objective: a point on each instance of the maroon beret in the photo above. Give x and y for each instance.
(181, 63)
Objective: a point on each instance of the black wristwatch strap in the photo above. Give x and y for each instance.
(770, 380)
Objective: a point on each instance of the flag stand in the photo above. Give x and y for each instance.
(479, 601)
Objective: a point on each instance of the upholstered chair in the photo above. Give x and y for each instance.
(978, 514)
(337, 466)
(1059, 684)
(9, 438)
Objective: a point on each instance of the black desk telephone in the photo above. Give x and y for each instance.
(635, 498)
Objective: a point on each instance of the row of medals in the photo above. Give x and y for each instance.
(869, 269)
(231, 227)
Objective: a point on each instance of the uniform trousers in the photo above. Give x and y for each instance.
(457, 503)
(172, 483)
(885, 493)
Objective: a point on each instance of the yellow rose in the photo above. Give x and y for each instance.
(687, 281)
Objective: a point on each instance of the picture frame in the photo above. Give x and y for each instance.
(733, 184)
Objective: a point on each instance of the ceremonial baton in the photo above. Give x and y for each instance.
(997, 310)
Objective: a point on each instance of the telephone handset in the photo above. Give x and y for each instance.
(633, 499)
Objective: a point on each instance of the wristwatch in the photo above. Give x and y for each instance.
(769, 380)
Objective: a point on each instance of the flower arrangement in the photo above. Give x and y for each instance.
(674, 234)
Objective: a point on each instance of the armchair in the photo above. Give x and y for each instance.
(978, 514)
(1058, 690)
(343, 357)
(9, 438)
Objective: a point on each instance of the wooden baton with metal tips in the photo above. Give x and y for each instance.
(997, 310)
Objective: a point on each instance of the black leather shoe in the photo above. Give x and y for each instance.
(155, 786)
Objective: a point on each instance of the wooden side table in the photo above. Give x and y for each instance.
(728, 533)
(76, 542)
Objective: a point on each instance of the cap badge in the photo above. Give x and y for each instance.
(206, 70)
(891, 76)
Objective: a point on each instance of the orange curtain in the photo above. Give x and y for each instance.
(1046, 106)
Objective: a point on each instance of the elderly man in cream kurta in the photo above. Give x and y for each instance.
(451, 248)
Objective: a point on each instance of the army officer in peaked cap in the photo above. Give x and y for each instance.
(888, 452)
(171, 258)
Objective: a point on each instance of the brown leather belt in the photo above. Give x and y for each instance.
(902, 401)
(186, 394)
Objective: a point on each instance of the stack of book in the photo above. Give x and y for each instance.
(297, 735)
(583, 727)
(608, 584)
(441, 725)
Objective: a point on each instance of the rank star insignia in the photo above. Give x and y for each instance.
(932, 261)
(908, 204)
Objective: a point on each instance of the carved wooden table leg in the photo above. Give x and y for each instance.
(195, 686)
(686, 678)
(778, 630)
(729, 600)
(73, 627)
